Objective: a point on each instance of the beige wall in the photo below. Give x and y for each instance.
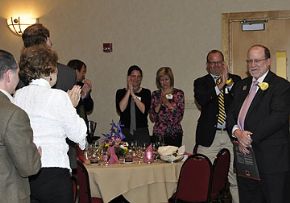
(150, 33)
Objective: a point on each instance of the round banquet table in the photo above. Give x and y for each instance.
(137, 182)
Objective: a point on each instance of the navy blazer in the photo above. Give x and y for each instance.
(268, 120)
(207, 99)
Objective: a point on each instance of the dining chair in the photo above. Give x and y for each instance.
(194, 151)
(220, 175)
(84, 185)
(194, 180)
(76, 189)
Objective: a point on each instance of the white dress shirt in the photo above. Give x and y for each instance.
(52, 118)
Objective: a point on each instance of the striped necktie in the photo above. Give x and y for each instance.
(222, 113)
(221, 104)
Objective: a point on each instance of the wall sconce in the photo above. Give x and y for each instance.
(18, 24)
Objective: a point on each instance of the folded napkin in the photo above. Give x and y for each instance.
(170, 150)
(181, 150)
(113, 157)
(148, 154)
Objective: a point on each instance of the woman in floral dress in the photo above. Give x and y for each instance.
(167, 109)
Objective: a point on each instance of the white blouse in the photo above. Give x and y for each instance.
(52, 118)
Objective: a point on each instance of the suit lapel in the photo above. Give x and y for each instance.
(244, 91)
(210, 80)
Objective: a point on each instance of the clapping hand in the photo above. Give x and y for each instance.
(75, 95)
(164, 100)
(223, 77)
(130, 86)
(39, 150)
(86, 88)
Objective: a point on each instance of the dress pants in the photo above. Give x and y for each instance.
(51, 185)
(271, 189)
(222, 140)
(141, 136)
(173, 141)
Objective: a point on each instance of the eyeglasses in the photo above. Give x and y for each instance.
(215, 62)
(256, 61)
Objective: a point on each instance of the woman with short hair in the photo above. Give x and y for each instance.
(53, 118)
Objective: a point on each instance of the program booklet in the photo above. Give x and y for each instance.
(246, 165)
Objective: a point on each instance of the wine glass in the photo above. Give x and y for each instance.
(105, 157)
(91, 131)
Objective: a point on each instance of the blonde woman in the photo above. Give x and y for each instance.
(167, 109)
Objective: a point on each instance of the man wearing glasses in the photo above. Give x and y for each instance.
(262, 126)
(213, 94)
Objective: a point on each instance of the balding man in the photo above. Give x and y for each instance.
(19, 157)
(259, 119)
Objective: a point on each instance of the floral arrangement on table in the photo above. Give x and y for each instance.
(114, 138)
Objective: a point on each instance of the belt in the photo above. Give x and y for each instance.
(221, 129)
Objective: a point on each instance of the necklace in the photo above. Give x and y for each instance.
(167, 91)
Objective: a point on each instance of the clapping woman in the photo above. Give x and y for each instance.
(167, 109)
(53, 118)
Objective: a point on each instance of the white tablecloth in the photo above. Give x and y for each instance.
(138, 183)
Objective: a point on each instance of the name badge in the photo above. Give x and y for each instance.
(169, 96)
(226, 90)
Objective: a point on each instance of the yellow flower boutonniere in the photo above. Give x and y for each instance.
(229, 82)
(263, 86)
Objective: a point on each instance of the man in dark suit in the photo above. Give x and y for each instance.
(86, 103)
(38, 34)
(264, 126)
(213, 94)
(19, 156)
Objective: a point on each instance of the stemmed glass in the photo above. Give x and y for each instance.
(105, 157)
(161, 140)
(91, 131)
(91, 153)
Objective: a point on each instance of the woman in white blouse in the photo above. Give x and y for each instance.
(53, 118)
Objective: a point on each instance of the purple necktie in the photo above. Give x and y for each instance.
(246, 104)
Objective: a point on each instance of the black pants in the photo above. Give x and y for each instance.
(51, 185)
(141, 136)
(169, 140)
(271, 189)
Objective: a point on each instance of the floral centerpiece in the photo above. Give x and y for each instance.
(114, 138)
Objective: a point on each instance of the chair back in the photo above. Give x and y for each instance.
(194, 151)
(83, 180)
(76, 189)
(194, 179)
(220, 173)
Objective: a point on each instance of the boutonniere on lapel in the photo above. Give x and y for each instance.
(229, 82)
(263, 86)
(244, 87)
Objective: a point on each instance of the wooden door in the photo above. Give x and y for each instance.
(275, 36)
